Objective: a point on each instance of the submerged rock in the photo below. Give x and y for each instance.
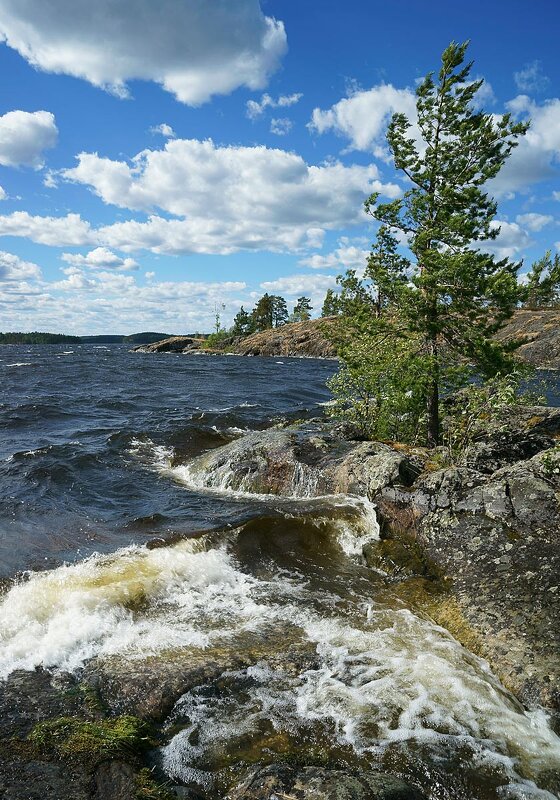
(314, 783)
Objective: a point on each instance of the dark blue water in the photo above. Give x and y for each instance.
(77, 424)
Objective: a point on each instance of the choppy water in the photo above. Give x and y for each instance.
(95, 462)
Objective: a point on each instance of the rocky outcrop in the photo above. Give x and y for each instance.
(482, 537)
(541, 331)
(491, 529)
(539, 328)
(174, 344)
(295, 339)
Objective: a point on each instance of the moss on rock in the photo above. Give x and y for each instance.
(68, 737)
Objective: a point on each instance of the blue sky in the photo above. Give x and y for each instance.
(158, 159)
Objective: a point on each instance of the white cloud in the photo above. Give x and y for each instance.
(100, 258)
(534, 222)
(556, 196)
(110, 301)
(485, 95)
(149, 275)
(533, 160)
(280, 126)
(313, 285)
(165, 130)
(54, 231)
(50, 180)
(345, 256)
(24, 136)
(256, 107)
(194, 49)
(13, 268)
(509, 243)
(364, 115)
(226, 198)
(531, 78)
(3, 195)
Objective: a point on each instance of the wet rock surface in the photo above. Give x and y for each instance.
(495, 538)
(313, 783)
(306, 460)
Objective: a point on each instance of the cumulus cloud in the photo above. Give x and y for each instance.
(3, 195)
(307, 284)
(100, 258)
(13, 268)
(346, 256)
(256, 107)
(281, 126)
(364, 115)
(55, 231)
(225, 198)
(534, 222)
(24, 136)
(193, 48)
(534, 158)
(531, 78)
(97, 302)
(164, 129)
(510, 242)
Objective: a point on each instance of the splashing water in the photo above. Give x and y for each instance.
(367, 684)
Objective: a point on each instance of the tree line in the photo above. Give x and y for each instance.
(270, 311)
(37, 337)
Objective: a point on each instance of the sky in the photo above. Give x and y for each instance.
(159, 161)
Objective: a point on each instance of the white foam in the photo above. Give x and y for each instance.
(383, 678)
(62, 617)
(406, 680)
(21, 364)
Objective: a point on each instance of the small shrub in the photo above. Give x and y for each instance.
(479, 410)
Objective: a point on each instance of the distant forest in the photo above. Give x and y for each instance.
(37, 337)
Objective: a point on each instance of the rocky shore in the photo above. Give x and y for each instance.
(475, 547)
(539, 330)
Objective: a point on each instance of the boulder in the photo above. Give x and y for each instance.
(306, 460)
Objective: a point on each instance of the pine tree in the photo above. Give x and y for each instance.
(302, 309)
(331, 304)
(262, 313)
(242, 323)
(279, 311)
(543, 282)
(455, 297)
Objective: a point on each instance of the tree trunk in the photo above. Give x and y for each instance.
(432, 405)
